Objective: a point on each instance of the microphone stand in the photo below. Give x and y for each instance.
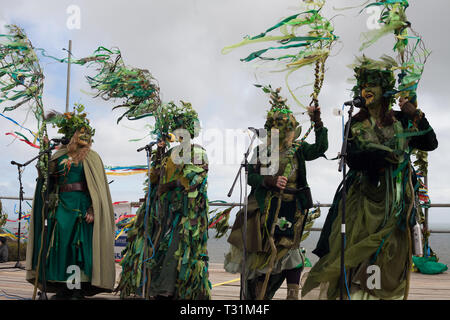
(343, 169)
(148, 149)
(43, 293)
(244, 165)
(18, 265)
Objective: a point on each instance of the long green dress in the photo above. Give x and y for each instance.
(95, 255)
(379, 213)
(70, 237)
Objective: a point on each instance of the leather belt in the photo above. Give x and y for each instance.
(77, 186)
(289, 190)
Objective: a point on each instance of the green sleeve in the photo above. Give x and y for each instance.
(254, 178)
(317, 149)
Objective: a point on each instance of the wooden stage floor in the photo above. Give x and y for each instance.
(226, 286)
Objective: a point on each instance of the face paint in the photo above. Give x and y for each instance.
(372, 94)
(286, 125)
(84, 137)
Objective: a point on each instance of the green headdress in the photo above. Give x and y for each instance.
(375, 73)
(69, 122)
(279, 115)
(173, 117)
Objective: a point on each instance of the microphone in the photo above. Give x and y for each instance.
(358, 102)
(151, 144)
(170, 137)
(63, 140)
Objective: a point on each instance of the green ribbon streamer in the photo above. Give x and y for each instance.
(283, 22)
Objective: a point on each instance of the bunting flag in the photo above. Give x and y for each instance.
(6, 232)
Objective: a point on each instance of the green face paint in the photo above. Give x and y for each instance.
(372, 94)
(84, 136)
(371, 74)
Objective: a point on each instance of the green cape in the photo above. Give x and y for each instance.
(103, 268)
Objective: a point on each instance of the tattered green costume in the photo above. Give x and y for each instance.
(174, 247)
(262, 203)
(70, 240)
(379, 201)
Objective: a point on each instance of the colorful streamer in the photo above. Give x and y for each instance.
(411, 50)
(126, 171)
(22, 83)
(35, 135)
(312, 47)
(17, 134)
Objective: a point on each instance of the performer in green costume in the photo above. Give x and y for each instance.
(289, 185)
(166, 255)
(80, 216)
(380, 198)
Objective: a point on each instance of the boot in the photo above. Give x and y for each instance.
(62, 294)
(292, 291)
(77, 295)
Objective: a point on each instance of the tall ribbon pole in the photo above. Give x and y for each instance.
(69, 53)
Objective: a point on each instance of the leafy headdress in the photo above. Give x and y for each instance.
(183, 116)
(375, 73)
(279, 115)
(68, 123)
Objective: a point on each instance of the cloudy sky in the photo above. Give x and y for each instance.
(180, 42)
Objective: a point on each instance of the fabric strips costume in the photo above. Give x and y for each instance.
(412, 55)
(79, 191)
(268, 203)
(166, 253)
(381, 202)
(306, 39)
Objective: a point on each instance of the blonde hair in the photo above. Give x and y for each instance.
(78, 154)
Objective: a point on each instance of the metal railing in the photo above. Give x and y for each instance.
(322, 205)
